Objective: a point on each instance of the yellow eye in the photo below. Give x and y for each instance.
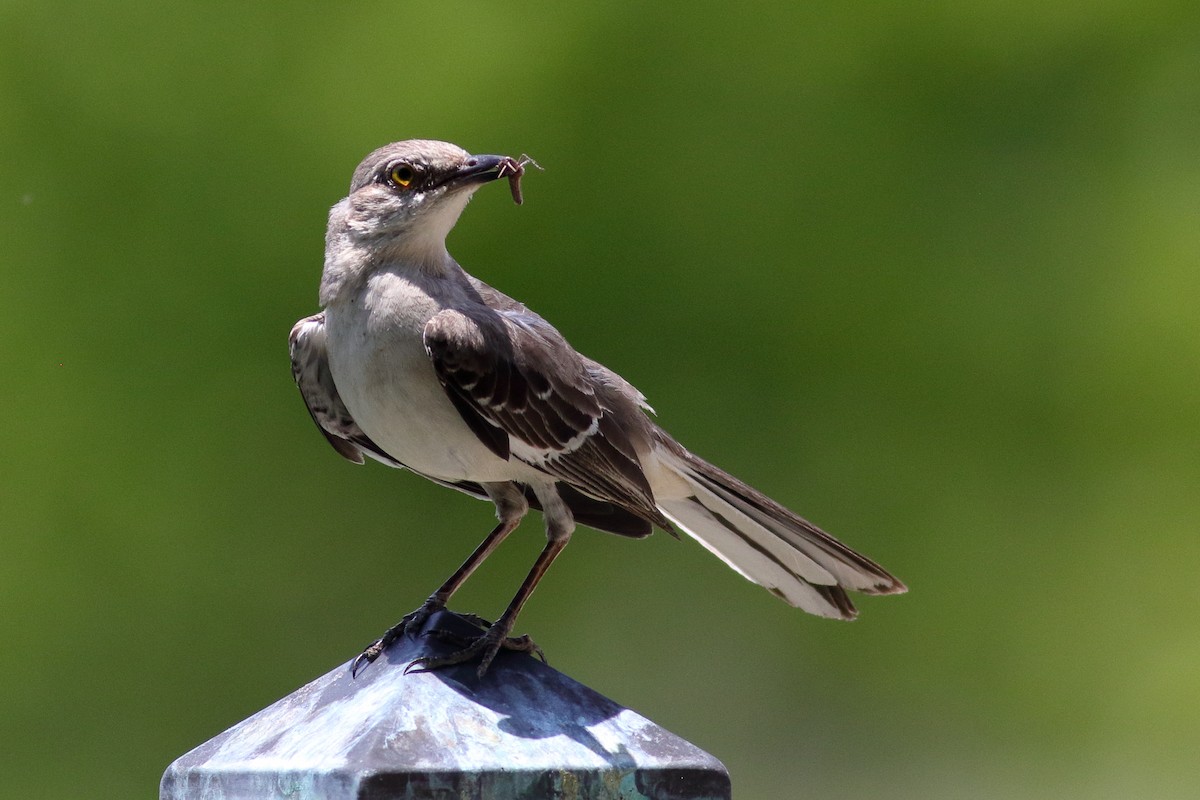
(402, 175)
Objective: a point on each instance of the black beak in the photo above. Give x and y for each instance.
(483, 169)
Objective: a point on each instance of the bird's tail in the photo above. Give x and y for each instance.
(792, 558)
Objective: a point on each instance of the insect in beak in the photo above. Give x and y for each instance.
(513, 169)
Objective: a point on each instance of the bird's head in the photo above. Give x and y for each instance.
(406, 196)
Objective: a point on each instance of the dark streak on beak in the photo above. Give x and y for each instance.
(481, 169)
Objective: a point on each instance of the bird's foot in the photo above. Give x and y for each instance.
(411, 624)
(484, 647)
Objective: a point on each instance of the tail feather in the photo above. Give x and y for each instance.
(767, 543)
(748, 559)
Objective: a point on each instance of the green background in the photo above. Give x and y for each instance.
(928, 275)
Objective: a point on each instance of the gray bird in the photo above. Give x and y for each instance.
(417, 364)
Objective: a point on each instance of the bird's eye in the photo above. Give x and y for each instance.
(402, 175)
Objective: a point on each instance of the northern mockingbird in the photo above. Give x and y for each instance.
(417, 364)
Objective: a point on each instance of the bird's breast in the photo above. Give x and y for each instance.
(378, 361)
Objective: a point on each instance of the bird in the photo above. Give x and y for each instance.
(417, 364)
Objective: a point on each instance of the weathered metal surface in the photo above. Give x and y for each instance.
(523, 731)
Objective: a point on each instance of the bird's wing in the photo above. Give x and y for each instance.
(310, 368)
(528, 395)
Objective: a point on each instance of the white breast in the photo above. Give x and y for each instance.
(378, 361)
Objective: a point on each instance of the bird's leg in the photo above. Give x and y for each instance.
(497, 637)
(559, 525)
(511, 507)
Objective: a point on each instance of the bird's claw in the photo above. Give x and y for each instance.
(410, 623)
(367, 656)
(484, 647)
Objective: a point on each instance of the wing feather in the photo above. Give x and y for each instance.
(310, 369)
(528, 395)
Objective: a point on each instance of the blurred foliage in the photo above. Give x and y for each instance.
(927, 274)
